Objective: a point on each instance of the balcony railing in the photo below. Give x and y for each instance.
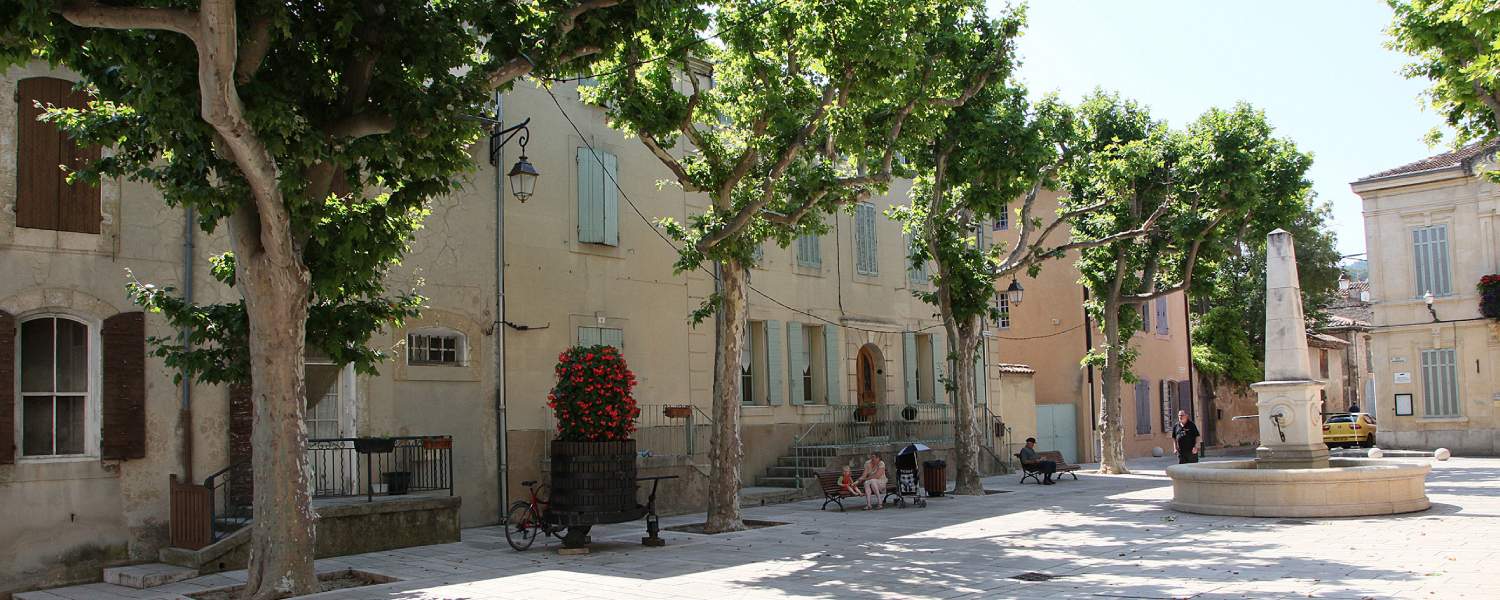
(853, 425)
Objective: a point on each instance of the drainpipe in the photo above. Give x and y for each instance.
(185, 410)
(1088, 346)
(502, 439)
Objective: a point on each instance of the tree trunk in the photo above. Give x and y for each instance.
(966, 418)
(1111, 426)
(281, 551)
(725, 449)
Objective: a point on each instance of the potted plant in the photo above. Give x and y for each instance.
(593, 457)
(1489, 296)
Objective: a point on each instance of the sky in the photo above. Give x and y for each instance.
(1318, 68)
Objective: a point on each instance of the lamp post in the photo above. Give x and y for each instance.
(522, 176)
(1015, 292)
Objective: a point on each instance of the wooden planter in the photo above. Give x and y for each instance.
(437, 443)
(593, 483)
(677, 412)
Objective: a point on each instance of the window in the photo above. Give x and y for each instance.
(810, 251)
(1142, 407)
(747, 373)
(598, 199)
(1323, 363)
(1439, 383)
(1430, 260)
(755, 385)
(1145, 310)
(436, 347)
(759, 254)
(602, 336)
(44, 199)
(865, 257)
(919, 274)
(1002, 305)
(1002, 222)
(55, 386)
(1168, 397)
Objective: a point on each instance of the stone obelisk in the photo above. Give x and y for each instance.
(1290, 406)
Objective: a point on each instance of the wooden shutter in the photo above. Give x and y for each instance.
(774, 378)
(1143, 407)
(44, 200)
(835, 368)
(796, 355)
(123, 395)
(909, 365)
(1163, 323)
(7, 388)
(939, 360)
(590, 198)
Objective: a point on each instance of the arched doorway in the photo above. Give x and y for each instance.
(870, 375)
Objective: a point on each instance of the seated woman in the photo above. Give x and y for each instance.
(846, 483)
(873, 481)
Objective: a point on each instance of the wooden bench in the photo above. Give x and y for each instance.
(832, 492)
(1033, 472)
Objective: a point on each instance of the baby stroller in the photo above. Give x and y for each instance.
(907, 483)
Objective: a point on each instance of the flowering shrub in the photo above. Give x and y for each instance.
(591, 401)
(1489, 296)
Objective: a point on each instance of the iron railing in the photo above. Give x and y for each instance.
(851, 425)
(661, 430)
(343, 467)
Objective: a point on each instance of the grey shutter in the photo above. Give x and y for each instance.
(1185, 398)
(809, 251)
(1142, 407)
(1163, 324)
(796, 354)
(1439, 383)
(1430, 260)
(939, 361)
(981, 379)
(1145, 310)
(774, 373)
(610, 198)
(909, 365)
(590, 199)
(834, 370)
(609, 336)
(865, 262)
(917, 272)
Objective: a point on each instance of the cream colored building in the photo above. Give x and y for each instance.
(1050, 332)
(1431, 227)
(833, 323)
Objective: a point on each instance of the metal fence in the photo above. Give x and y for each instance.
(850, 425)
(661, 430)
(372, 467)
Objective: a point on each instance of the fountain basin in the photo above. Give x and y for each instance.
(1349, 487)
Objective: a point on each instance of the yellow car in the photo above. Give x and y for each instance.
(1349, 429)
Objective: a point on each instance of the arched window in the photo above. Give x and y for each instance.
(56, 386)
(437, 346)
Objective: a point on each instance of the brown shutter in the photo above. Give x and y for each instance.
(44, 200)
(241, 419)
(123, 397)
(7, 388)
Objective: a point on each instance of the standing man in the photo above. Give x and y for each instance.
(1185, 433)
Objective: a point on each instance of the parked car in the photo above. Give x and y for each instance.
(1349, 429)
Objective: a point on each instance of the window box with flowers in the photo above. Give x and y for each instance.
(593, 457)
(1489, 297)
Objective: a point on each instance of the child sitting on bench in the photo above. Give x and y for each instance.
(846, 483)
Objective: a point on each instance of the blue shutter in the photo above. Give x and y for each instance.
(835, 369)
(1163, 324)
(1142, 407)
(773, 363)
(796, 354)
(939, 361)
(590, 199)
(610, 195)
(909, 364)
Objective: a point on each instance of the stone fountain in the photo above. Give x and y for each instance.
(1292, 475)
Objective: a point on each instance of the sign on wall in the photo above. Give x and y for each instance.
(1403, 405)
(1403, 377)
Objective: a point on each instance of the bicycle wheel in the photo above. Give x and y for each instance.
(522, 525)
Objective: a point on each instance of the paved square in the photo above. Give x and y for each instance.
(1100, 537)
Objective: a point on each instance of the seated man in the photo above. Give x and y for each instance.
(1029, 456)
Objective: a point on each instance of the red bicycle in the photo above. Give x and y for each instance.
(524, 521)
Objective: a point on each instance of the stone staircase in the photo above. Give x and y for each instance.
(801, 465)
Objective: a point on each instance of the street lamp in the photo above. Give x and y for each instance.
(1015, 292)
(523, 175)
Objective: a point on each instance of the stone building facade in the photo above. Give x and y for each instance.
(833, 322)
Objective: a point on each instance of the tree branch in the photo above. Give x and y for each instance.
(84, 13)
(671, 162)
(1190, 263)
(361, 124)
(253, 50)
(522, 65)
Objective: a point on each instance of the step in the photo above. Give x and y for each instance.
(148, 575)
(779, 471)
(781, 482)
(814, 451)
(812, 462)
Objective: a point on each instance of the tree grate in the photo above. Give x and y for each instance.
(1034, 576)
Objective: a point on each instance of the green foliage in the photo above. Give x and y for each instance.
(367, 110)
(1454, 46)
(799, 111)
(1221, 345)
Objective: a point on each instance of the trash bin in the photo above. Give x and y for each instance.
(935, 477)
